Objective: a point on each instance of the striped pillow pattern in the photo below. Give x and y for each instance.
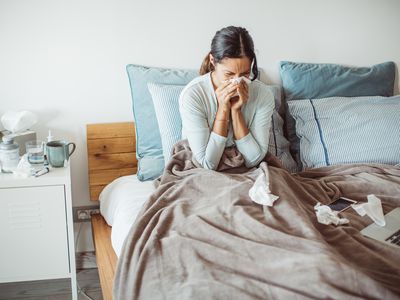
(343, 130)
(166, 105)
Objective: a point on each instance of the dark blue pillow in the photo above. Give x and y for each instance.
(310, 81)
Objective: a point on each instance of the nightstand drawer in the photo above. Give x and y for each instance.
(33, 233)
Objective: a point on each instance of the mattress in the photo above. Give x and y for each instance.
(120, 203)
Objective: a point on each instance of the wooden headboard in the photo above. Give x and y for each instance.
(111, 154)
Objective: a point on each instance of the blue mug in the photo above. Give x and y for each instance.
(58, 152)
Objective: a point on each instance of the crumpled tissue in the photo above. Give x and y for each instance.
(325, 215)
(260, 192)
(240, 79)
(24, 168)
(16, 121)
(237, 81)
(373, 209)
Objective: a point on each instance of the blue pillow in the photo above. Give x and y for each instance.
(311, 81)
(166, 105)
(148, 141)
(342, 130)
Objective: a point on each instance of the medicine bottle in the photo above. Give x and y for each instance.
(9, 154)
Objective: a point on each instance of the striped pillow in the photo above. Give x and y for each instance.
(342, 130)
(166, 105)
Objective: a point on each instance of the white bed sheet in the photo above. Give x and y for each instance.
(120, 203)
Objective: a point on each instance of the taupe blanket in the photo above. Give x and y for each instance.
(199, 236)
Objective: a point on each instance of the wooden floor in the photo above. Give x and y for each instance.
(59, 289)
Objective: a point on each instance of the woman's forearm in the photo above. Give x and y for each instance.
(221, 122)
(239, 125)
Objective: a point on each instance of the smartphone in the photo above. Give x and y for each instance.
(341, 204)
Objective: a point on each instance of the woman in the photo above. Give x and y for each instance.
(220, 109)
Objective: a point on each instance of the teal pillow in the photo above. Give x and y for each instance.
(310, 81)
(148, 141)
(166, 105)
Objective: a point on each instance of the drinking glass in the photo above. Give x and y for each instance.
(35, 150)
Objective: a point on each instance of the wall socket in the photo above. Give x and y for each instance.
(84, 213)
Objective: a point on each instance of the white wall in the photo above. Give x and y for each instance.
(65, 60)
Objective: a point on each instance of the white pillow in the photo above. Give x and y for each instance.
(166, 105)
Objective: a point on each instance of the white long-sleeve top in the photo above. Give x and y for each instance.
(198, 106)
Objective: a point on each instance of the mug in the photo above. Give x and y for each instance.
(58, 152)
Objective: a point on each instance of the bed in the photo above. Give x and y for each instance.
(193, 239)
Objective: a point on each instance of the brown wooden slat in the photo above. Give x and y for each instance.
(105, 256)
(110, 130)
(99, 177)
(95, 191)
(112, 161)
(111, 154)
(112, 145)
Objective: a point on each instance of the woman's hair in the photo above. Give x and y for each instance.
(230, 42)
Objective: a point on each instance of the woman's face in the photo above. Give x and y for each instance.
(230, 68)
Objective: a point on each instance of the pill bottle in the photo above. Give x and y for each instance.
(9, 154)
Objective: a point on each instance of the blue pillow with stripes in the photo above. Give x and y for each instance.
(344, 130)
(166, 105)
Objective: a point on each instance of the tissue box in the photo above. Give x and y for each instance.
(21, 138)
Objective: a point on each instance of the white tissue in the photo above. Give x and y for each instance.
(325, 215)
(260, 192)
(16, 121)
(373, 209)
(24, 168)
(237, 81)
(240, 79)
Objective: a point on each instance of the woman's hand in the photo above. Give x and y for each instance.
(243, 92)
(224, 94)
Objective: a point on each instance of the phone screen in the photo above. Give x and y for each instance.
(341, 204)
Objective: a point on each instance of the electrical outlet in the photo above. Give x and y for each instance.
(84, 213)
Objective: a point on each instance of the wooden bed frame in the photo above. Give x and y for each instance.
(111, 154)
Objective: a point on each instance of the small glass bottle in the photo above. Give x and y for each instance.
(9, 154)
(49, 139)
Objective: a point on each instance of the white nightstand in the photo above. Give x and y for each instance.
(36, 228)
